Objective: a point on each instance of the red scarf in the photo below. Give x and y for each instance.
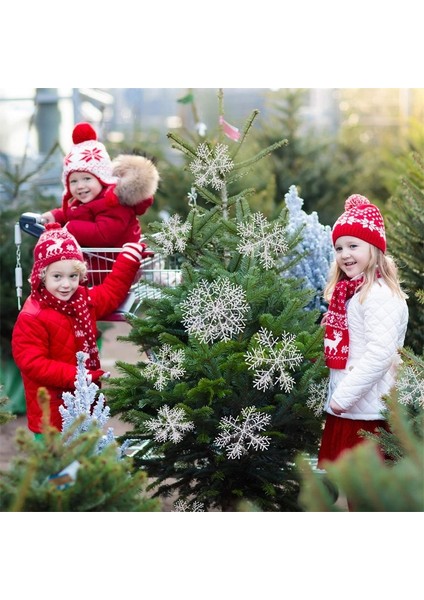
(84, 328)
(336, 340)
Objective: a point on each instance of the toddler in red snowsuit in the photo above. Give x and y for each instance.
(103, 199)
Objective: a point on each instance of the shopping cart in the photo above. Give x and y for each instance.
(156, 271)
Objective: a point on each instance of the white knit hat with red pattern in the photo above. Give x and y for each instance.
(362, 220)
(88, 155)
(54, 244)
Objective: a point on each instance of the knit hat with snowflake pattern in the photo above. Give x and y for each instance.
(362, 220)
(88, 155)
(55, 244)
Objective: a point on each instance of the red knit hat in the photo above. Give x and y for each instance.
(88, 155)
(55, 244)
(363, 220)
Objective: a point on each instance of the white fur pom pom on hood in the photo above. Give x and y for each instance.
(138, 178)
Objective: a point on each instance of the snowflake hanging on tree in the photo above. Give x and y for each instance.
(241, 433)
(169, 424)
(262, 238)
(184, 506)
(317, 396)
(166, 367)
(215, 311)
(173, 237)
(410, 387)
(210, 166)
(274, 356)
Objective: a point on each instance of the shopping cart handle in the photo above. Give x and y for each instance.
(31, 223)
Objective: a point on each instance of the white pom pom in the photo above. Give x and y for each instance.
(356, 200)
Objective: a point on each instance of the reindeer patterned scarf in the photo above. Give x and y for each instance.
(336, 340)
(84, 330)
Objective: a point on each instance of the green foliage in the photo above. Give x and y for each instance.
(103, 482)
(217, 382)
(5, 414)
(370, 483)
(405, 226)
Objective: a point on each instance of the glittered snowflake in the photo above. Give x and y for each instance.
(410, 387)
(271, 357)
(261, 238)
(170, 424)
(184, 506)
(239, 434)
(166, 366)
(317, 396)
(173, 237)
(211, 165)
(215, 310)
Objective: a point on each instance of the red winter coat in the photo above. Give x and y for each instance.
(111, 220)
(44, 346)
(103, 222)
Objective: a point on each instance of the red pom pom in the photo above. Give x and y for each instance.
(82, 133)
(355, 201)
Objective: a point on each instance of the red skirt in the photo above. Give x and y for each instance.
(341, 434)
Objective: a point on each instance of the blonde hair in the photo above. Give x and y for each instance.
(79, 266)
(379, 263)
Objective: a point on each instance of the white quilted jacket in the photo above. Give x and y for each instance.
(377, 329)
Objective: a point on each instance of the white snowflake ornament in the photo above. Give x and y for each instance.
(173, 237)
(410, 387)
(272, 357)
(215, 310)
(317, 398)
(169, 424)
(239, 434)
(184, 506)
(262, 238)
(211, 165)
(166, 367)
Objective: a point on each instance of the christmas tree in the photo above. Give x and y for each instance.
(405, 225)
(219, 405)
(80, 470)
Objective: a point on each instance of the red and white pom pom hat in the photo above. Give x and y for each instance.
(54, 244)
(88, 155)
(363, 220)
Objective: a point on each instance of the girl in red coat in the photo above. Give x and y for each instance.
(103, 199)
(59, 318)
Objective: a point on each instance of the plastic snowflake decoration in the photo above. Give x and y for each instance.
(184, 506)
(262, 238)
(169, 424)
(317, 396)
(316, 243)
(410, 387)
(173, 237)
(85, 402)
(241, 433)
(270, 356)
(211, 165)
(166, 367)
(215, 311)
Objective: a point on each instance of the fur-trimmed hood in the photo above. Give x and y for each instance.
(138, 178)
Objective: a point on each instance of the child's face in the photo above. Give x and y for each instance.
(62, 279)
(352, 255)
(84, 186)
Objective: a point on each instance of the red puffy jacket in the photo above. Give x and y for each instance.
(44, 346)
